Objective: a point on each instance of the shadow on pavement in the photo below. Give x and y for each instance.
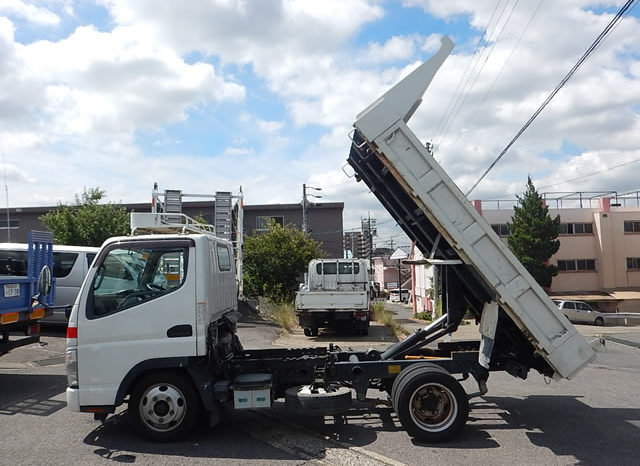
(31, 394)
(562, 424)
(117, 441)
(567, 426)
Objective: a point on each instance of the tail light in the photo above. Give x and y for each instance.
(71, 364)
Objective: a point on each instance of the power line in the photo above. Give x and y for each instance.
(474, 58)
(560, 85)
(495, 80)
(477, 75)
(590, 174)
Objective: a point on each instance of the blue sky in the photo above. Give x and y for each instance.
(213, 96)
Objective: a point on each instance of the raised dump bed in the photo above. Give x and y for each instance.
(432, 210)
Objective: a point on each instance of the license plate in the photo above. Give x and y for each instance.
(12, 290)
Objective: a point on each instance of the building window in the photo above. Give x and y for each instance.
(13, 223)
(633, 263)
(576, 265)
(501, 229)
(576, 228)
(262, 222)
(632, 226)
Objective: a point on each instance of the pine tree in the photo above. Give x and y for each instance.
(533, 235)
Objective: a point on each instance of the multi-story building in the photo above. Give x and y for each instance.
(324, 220)
(599, 256)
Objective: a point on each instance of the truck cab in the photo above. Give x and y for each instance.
(336, 293)
(146, 305)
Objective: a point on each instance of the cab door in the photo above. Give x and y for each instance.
(138, 309)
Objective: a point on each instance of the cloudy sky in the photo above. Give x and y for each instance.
(212, 95)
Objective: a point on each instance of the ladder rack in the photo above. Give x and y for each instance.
(155, 222)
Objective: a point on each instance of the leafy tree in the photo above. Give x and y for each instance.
(274, 260)
(533, 235)
(87, 223)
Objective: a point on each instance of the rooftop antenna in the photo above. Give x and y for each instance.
(6, 190)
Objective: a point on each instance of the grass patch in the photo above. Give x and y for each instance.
(385, 317)
(283, 314)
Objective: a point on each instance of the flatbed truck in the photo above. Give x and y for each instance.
(336, 293)
(164, 340)
(26, 293)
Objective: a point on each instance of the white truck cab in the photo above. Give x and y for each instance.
(336, 293)
(146, 303)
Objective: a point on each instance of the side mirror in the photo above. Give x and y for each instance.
(44, 281)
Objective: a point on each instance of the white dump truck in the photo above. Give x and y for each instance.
(163, 338)
(336, 293)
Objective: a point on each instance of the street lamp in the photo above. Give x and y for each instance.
(305, 202)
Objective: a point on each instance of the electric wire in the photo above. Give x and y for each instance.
(560, 85)
(591, 174)
(466, 79)
(475, 56)
(504, 65)
(455, 114)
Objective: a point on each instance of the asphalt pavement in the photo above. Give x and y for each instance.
(592, 419)
(626, 335)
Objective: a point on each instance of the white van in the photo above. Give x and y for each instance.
(70, 265)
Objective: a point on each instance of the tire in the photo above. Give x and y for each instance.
(362, 327)
(164, 406)
(324, 403)
(398, 381)
(314, 331)
(307, 332)
(431, 405)
(599, 321)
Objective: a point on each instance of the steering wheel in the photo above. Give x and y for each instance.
(134, 298)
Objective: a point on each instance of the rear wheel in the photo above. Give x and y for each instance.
(599, 321)
(164, 406)
(431, 405)
(362, 327)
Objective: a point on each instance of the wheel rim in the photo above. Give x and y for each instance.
(162, 407)
(433, 407)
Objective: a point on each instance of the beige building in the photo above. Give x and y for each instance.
(599, 255)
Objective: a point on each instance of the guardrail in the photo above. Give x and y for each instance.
(623, 318)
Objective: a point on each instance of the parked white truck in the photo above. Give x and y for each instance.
(165, 342)
(336, 293)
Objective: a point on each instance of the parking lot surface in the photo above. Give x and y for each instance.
(593, 419)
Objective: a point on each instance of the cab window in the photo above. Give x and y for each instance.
(326, 268)
(224, 258)
(63, 263)
(129, 276)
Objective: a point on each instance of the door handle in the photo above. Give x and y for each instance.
(178, 331)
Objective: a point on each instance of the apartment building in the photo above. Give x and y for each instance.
(599, 256)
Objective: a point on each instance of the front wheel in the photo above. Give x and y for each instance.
(432, 405)
(164, 406)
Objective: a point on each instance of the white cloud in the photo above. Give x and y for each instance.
(93, 91)
(29, 12)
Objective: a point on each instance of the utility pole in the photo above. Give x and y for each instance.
(305, 202)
